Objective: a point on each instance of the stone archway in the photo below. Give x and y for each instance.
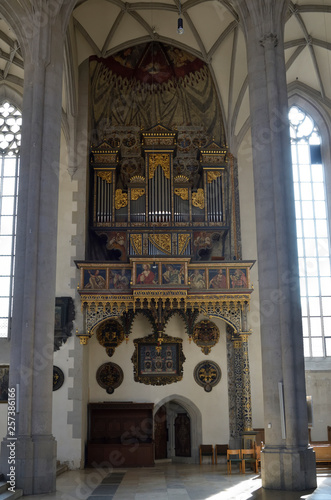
(174, 405)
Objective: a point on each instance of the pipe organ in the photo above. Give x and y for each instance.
(159, 199)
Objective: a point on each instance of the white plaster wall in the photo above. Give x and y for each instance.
(249, 249)
(213, 405)
(68, 447)
(66, 228)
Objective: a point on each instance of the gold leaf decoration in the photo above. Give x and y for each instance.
(136, 193)
(198, 199)
(106, 176)
(183, 241)
(182, 193)
(161, 242)
(137, 243)
(212, 175)
(121, 199)
(159, 159)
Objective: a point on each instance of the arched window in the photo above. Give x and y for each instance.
(312, 233)
(10, 140)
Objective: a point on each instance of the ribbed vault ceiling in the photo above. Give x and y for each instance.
(212, 32)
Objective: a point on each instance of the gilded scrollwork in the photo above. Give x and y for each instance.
(136, 193)
(106, 176)
(154, 160)
(182, 193)
(212, 175)
(183, 241)
(121, 199)
(198, 199)
(136, 241)
(161, 242)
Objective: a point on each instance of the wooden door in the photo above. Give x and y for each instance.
(182, 435)
(161, 433)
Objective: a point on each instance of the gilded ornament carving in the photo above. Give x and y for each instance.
(109, 376)
(183, 241)
(121, 199)
(105, 159)
(207, 374)
(160, 141)
(136, 193)
(212, 175)
(138, 178)
(110, 335)
(106, 176)
(154, 160)
(182, 193)
(136, 241)
(181, 178)
(161, 241)
(205, 335)
(198, 199)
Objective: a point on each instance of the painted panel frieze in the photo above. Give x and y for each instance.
(197, 279)
(238, 278)
(173, 274)
(206, 334)
(147, 273)
(95, 279)
(120, 279)
(158, 361)
(217, 279)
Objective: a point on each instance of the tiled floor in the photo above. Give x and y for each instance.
(167, 481)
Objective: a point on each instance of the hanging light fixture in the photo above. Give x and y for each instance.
(180, 29)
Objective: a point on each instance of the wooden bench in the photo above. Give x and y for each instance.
(322, 453)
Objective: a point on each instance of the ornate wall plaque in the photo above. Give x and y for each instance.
(158, 360)
(206, 335)
(109, 376)
(58, 378)
(207, 374)
(110, 334)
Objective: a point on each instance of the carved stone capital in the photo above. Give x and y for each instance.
(269, 40)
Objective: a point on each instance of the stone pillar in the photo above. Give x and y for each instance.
(32, 338)
(287, 462)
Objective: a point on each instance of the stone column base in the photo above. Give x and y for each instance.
(288, 469)
(30, 463)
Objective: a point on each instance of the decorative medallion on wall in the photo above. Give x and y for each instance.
(207, 374)
(158, 360)
(110, 334)
(58, 378)
(109, 376)
(206, 335)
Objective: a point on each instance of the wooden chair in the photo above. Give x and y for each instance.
(233, 456)
(258, 456)
(220, 449)
(206, 450)
(249, 457)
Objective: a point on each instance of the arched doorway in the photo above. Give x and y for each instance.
(177, 430)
